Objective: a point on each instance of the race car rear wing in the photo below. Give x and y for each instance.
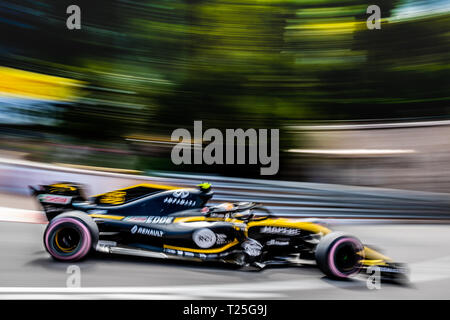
(58, 197)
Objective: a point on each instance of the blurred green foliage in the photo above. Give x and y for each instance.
(153, 66)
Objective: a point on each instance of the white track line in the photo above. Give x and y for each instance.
(272, 289)
(421, 272)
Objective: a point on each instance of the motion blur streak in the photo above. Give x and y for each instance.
(144, 68)
(27, 272)
(351, 151)
(363, 117)
(20, 83)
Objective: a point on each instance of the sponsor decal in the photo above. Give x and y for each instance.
(179, 201)
(274, 242)
(146, 231)
(221, 238)
(204, 238)
(392, 270)
(52, 198)
(189, 254)
(281, 230)
(136, 219)
(160, 219)
(252, 247)
(180, 194)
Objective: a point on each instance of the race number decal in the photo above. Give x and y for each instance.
(204, 238)
(114, 197)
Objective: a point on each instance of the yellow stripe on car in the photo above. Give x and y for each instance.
(147, 185)
(63, 186)
(215, 250)
(105, 216)
(371, 254)
(196, 219)
(373, 262)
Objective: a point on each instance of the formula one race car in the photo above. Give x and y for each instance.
(168, 222)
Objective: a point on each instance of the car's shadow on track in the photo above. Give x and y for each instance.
(212, 266)
(51, 264)
(96, 259)
(118, 258)
(348, 284)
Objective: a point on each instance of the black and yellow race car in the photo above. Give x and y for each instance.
(169, 222)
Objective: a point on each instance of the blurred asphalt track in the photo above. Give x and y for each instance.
(27, 271)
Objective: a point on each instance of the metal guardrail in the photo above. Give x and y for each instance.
(284, 198)
(325, 200)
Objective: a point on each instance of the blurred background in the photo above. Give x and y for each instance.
(354, 106)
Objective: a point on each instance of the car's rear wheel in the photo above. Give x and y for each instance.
(339, 255)
(70, 236)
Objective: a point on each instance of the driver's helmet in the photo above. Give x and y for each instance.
(226, 206)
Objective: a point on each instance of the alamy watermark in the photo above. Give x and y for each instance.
(374, 279)
(74, 278)
(374, 20)
(73, 22)
(225, 150)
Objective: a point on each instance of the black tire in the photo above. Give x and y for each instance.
(71, 236)
(339, 255)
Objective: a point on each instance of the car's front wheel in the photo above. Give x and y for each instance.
(339, 255)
